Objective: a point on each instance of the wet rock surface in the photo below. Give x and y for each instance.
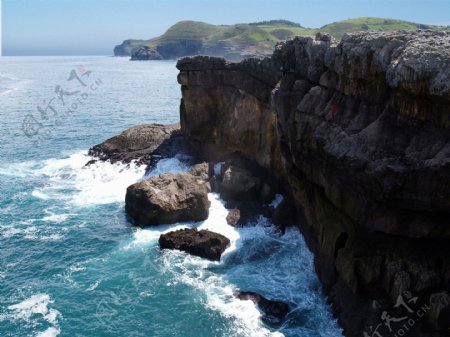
(201, 243)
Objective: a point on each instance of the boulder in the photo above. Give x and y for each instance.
(274, 311)
(168, 198)
(201, 243)
(243, 213)
(144, 143)
(233, 217)
(239, 184)
(202, 170)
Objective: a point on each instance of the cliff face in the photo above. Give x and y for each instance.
(359, 133)
(126, 47)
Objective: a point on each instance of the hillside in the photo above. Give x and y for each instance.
(235, 42)
(338, 29)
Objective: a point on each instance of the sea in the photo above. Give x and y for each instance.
(71, 262)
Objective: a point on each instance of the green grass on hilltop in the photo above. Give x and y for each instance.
(191, 30)
(338, 29)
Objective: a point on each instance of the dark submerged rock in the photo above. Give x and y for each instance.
(274, 311)
(244, 213)
(284, 214)
(240, 184)
(201, 243)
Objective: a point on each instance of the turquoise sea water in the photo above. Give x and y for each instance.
(71, 264)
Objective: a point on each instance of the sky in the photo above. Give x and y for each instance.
(94, 27)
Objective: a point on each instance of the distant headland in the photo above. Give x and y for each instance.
(239, 41)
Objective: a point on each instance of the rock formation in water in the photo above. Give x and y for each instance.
(145, 144)
(273, 311)
(168, 198)
(358, 134)
(201, 243)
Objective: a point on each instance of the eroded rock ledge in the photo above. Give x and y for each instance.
(145, 144)
(358, 132)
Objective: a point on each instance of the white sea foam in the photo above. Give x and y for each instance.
(40, 195)
(50, 332)
(170, 165)
(194, 271)
(92, 287)
(36, 308)
(8, 231)
(57, 218)
(217, 222)
(36, 304)
(51, 237)
(145, 237)
(98, 183)
(276, 201)
(217, 168)
(22, 169)
(29, 231)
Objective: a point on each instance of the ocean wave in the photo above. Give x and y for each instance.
(259, 259)
(50, 332)
(195, 272)
(170, 165)
(35, 309)
(57, 218)
(98, 183)
(69, 180)
(32, 230)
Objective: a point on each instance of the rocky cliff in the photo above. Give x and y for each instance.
(358, 133)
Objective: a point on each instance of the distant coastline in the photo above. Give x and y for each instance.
(239, 41)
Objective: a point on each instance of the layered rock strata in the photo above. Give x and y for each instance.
(358, 134)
